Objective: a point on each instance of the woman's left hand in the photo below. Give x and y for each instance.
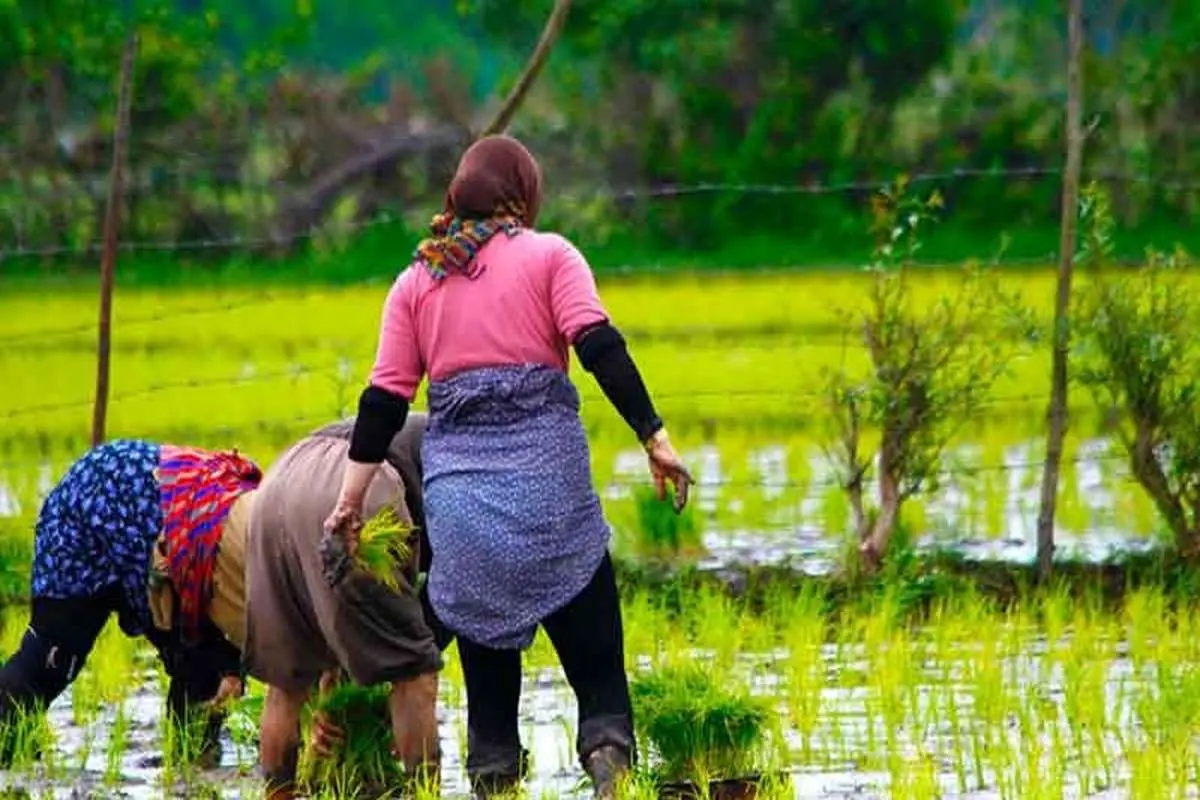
(346, 522)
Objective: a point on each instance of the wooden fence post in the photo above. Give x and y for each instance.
(108, 258)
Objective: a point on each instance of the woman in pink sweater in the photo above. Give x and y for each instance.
(488, 311)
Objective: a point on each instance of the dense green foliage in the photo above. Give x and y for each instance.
(246, 117)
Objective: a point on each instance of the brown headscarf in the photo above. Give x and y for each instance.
(497, 187)
(493, 175)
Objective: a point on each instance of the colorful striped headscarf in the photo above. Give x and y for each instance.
(455, 242)
(197, 488)
(497, 187)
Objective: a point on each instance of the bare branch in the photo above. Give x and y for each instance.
(537, 60)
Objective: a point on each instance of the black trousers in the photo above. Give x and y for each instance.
(61, 635)
(589, 640)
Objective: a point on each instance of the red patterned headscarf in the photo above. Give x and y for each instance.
(197, 488)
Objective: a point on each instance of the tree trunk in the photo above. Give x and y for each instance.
(1066, 263)
(876, 538)
(1153, 480)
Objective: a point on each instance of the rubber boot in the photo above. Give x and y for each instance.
(606, 766)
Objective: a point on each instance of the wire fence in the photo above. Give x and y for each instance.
(815, 484)
(18, 250)
(28, 340)
(337, 370)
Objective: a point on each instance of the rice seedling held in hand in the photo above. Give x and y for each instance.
(363, 765)
(384, 547)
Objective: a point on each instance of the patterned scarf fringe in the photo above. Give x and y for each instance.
(197, 489)
(455, 242)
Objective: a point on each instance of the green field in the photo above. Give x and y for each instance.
(735, 365)
(1045, 699)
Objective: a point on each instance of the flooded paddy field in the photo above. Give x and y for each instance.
(1056, 696)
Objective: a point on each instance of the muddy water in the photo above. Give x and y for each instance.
(839, 742)
(798, 531)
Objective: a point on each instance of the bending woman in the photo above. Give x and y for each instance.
(93, 547)
(488, 312)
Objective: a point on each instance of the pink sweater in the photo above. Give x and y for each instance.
(534, 294)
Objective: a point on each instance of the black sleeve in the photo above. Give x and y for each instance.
(601, 350)
(381, 415)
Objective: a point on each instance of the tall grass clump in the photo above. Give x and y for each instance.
(701, 728)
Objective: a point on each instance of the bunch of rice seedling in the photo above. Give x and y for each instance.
(383, 548)
(662, 533)
(700, 727)
(364, 762)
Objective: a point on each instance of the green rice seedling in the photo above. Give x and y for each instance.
(244, 716)
(104, 679)
(183, 743)
(915, 778)
(663, 534)
(805, 683)
(383, 547)
(13, 622)
(25, 737)
(699, 725)
(643, 626)
(86, 741)
(541, 654)
(118, 740)
(365, 758)
(716, 625)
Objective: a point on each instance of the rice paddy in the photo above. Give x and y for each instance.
(1054, 698)
(1056, 695)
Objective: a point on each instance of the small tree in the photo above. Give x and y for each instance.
(1139, 357)
(931, 366)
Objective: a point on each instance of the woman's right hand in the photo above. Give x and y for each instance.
(666, 468)
(326, 737)
(345, 521)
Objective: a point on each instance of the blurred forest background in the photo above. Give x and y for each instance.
(737, 132)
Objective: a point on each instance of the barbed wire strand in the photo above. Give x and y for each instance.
(265, 297)
(163, 175)
(621, 479)
(628, 194)
(337, 369)
(818, 335)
